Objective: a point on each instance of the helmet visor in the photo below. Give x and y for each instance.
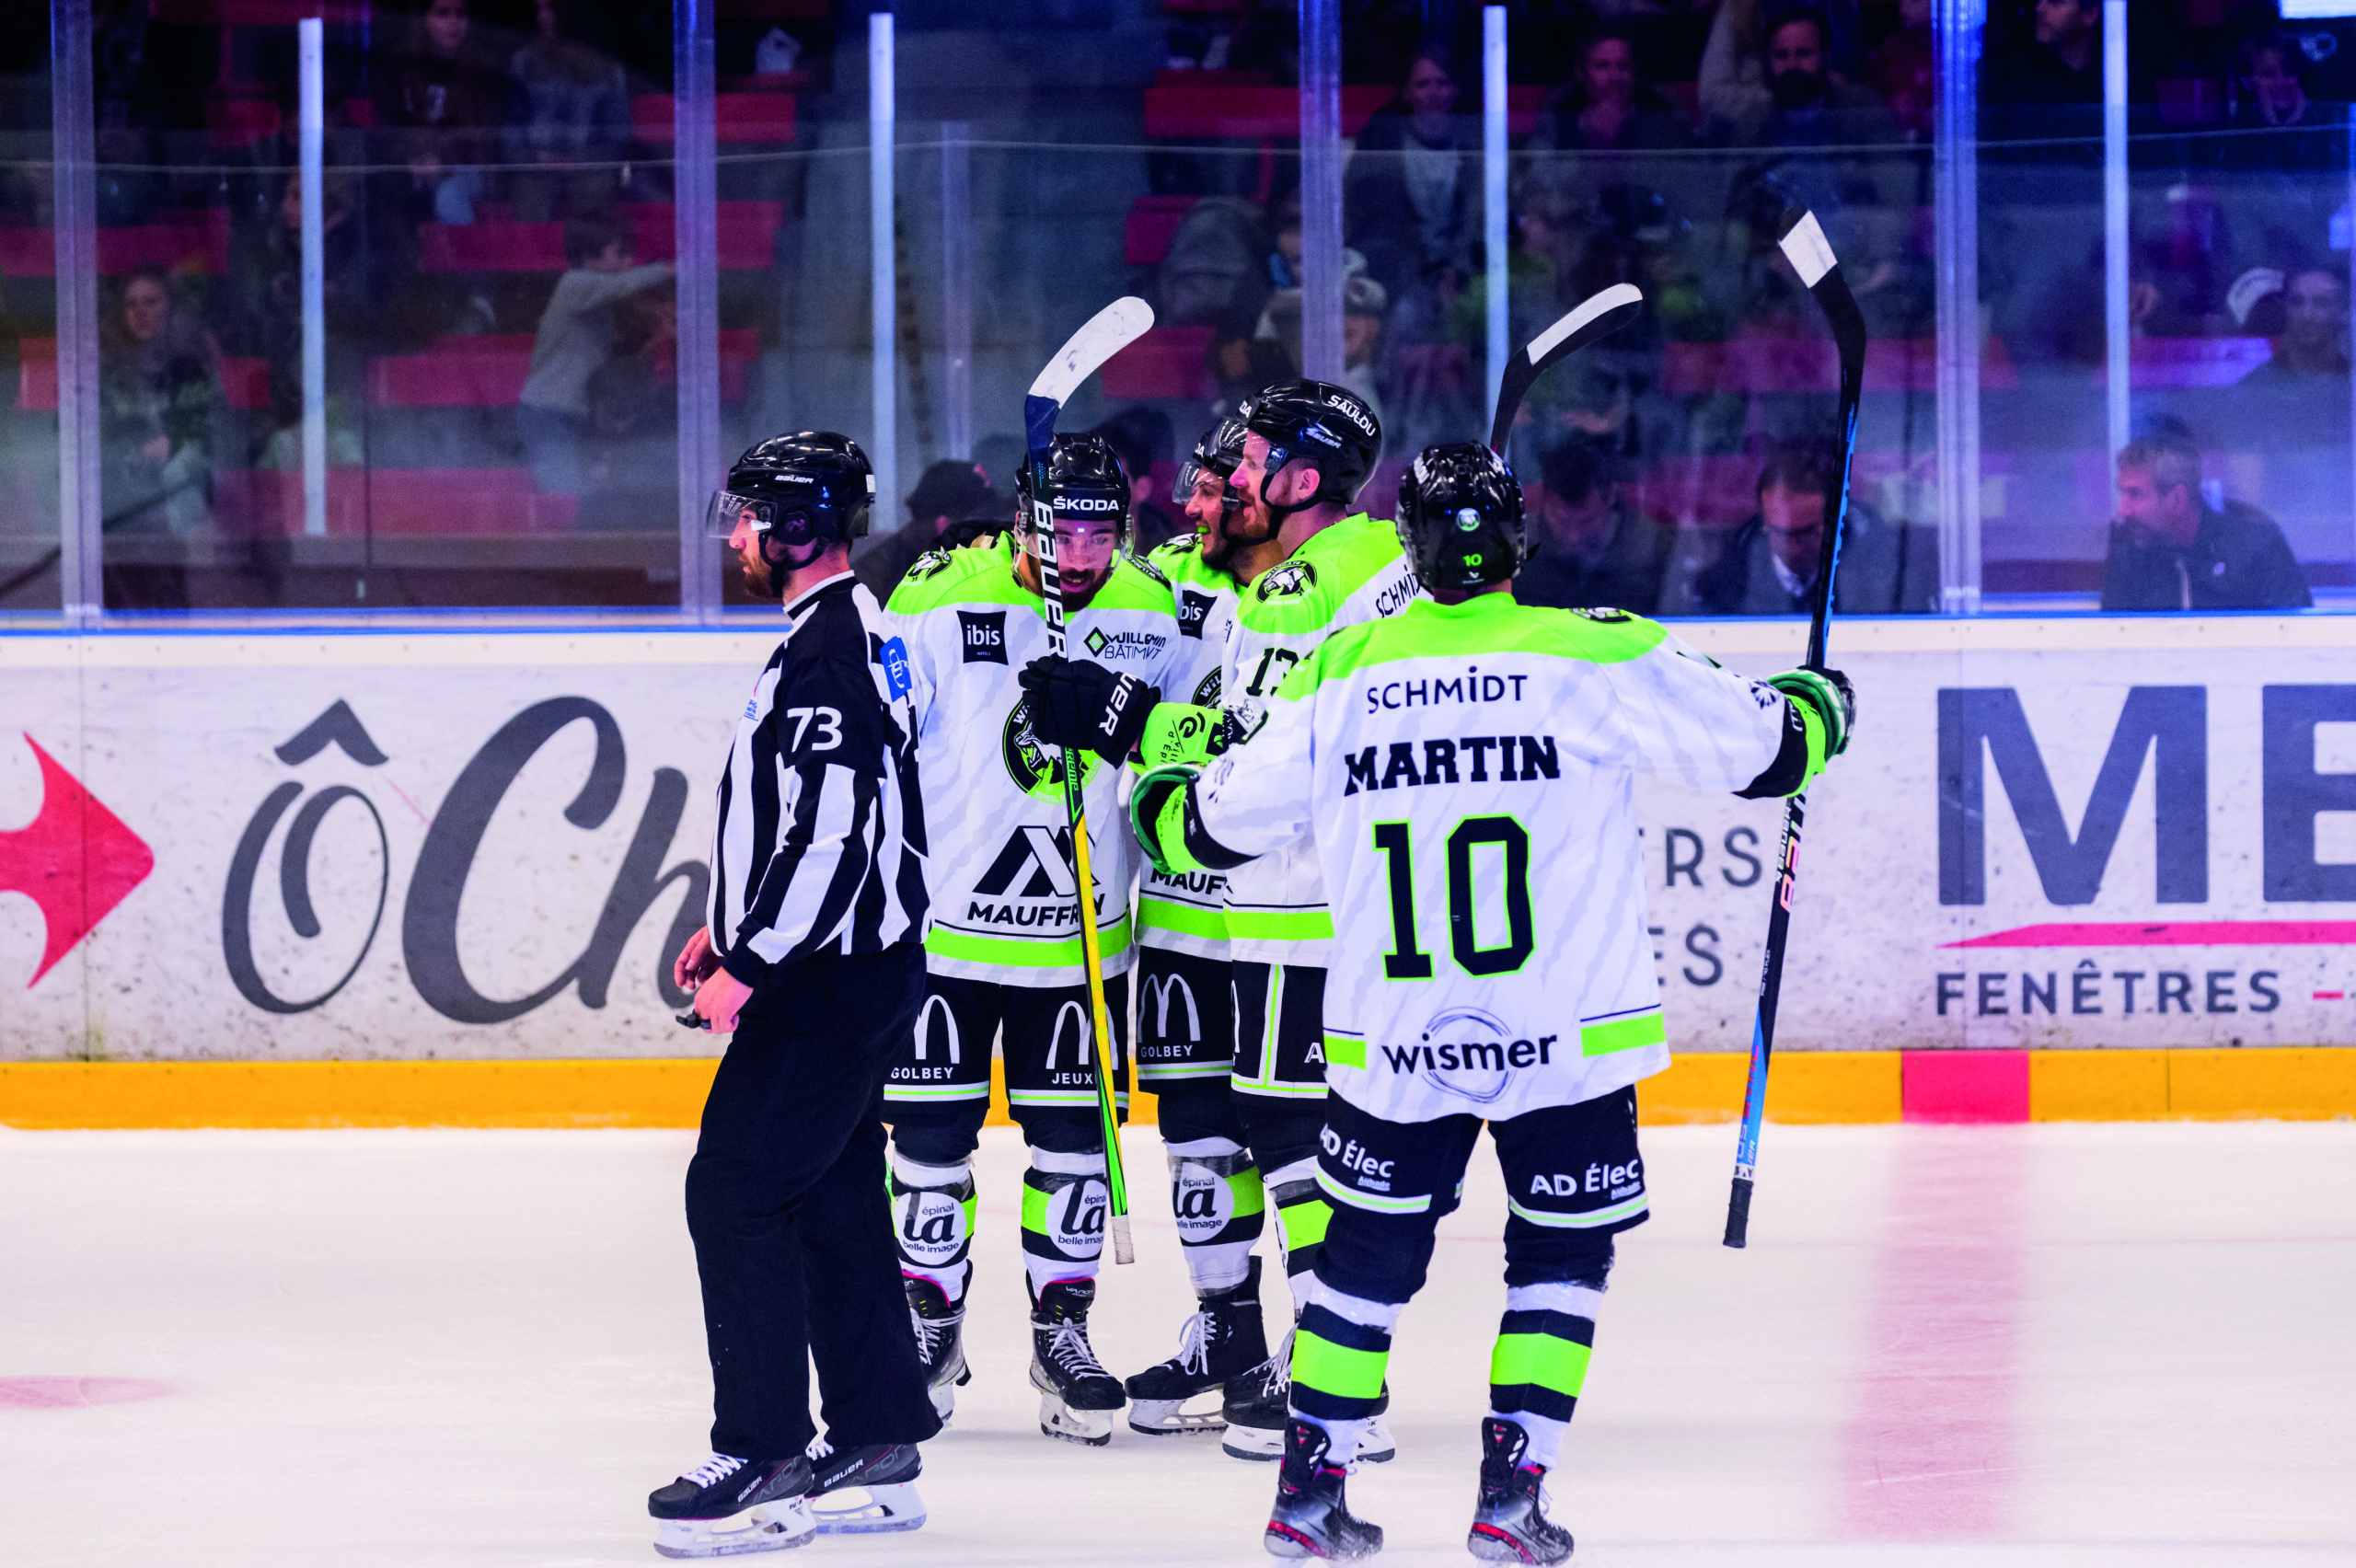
(727, 511)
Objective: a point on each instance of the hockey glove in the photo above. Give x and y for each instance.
(1182, 733)
(1076, 703)
(1157, 813)
(1828, 693)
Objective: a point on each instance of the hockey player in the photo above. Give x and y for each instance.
(1312, 564)
(1467, 771)
(1185, 1046)
(812, 961)
(1004, 957)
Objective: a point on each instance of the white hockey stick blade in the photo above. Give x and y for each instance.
(1592, 319)
(1106, 333)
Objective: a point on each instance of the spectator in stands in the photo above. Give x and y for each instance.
(160, 392)
(445, 104)
(1140, 437)
(2284, 179)
(1807, 105)
(950, 491)
(1732, 82)
(1364, 304)
(1409, 196)
(573, 106)
(577, 334)
(2171, 550)
(1769, 565)
(1593, 550)
(1604, 107)
(2058, 68)
(2312, 346)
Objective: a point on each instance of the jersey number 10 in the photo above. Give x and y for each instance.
(1406, 960)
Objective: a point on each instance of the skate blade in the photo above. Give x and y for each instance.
(1283, 1541)
(1258, 1443)
(1491, 1544)
(869, 1510)
(1163, 1418)
(1056, 1419)
(767, 1526)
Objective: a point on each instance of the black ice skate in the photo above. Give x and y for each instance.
(867, 1490)
(1509, 1523)
(728, 1506)
(1077, 1396)
(1221, 1341)
(1258, 1406)
(939, 1344)
(1311, 1518)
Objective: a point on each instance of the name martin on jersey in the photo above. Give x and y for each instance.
(1520, 759)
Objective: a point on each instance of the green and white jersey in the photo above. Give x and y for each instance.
(1346, 575)
(1468, 772)
(1187, 913)
(1005, 906)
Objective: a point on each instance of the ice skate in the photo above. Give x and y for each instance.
(1310, 1519)
(728, 1506)
(867, 1490)
(941, 1343)
(1077, 1396)
(1258, 1407)
(1509, 1523)
(1221, 1341)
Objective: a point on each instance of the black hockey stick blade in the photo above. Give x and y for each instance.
(1810, 254)
(1591, 320)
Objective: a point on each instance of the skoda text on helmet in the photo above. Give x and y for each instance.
(793, 490)
(1319, 425)
(1085, 484)
(1460, 518)
(1218, 453)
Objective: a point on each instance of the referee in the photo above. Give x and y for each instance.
(813, 961)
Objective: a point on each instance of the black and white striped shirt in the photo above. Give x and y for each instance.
(820, 844)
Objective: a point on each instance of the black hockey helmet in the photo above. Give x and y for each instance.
(1460, 518)
(1219, 452)
(797, 489)
(1329, 428)
(1085, 482)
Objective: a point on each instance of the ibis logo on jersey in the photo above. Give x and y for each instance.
(1195, 612)
(1125, 644)
(1036, 769)
(1291, 581)
(985, 636)
(1470, 1052)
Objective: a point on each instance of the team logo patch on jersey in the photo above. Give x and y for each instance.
(1036, 770)
(1142, 564)
(1125, 644)
(1206, 691)
(1193, 612)
(1603, 613)
(927, 565)
(985, 636)
(894, 656)
(1291, 581)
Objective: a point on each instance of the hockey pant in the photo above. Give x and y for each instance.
(939, 1098)
(1573, 1181)
(794, 1251)
(1279, 1089)
(1185, 1052)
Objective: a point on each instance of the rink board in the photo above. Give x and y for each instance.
(2135, 834)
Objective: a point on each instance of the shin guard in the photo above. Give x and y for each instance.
(1540, 1362)
(932, 1222)
(1215, 1195)
(1064, 1202)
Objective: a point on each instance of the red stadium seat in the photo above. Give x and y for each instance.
(488, 371)
(245, 383)
(1206, 106)
(1168, 361)
(477, 501)
(747, 233)
(1808, 364)
(736, 117)
(191, 243)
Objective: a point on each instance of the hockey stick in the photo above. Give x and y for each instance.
(1811, 257)
(1591, 320)
(1107, 332)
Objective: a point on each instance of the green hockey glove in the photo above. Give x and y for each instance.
(1830, 696)
(1157, 813)
(1179, 733)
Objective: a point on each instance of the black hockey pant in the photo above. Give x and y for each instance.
(792, 1231)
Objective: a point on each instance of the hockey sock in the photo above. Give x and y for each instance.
(1064, 1205)
(932, 1219)
(1215, 1193)
(1540, 1364)
(1302, 1214)
(1339, 1352)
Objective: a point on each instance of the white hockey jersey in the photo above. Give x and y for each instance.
(1187, 913)
(1467, 772)
(1005, 903)
(1346, 575)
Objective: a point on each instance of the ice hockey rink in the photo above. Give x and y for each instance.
(2043, 1344)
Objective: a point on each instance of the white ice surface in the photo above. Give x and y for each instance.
(2048, 1346)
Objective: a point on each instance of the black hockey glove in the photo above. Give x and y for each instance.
(1077, 703)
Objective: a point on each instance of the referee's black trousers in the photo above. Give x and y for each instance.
(793, 1229)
